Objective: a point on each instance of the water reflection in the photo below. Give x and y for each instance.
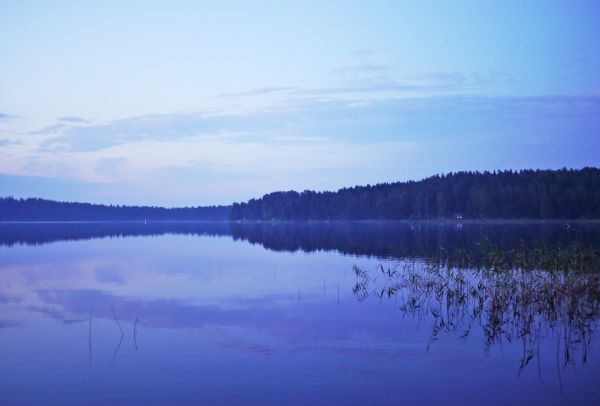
(383, 239)
(518, 295)
(271, 310)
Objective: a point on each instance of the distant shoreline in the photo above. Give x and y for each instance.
(337, 221)
(456, 198)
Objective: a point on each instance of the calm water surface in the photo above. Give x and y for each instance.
(304, 313)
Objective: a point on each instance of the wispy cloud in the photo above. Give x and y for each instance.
(376, 80)
(261, 91)
(362, 52)
(160, 127)
(360, 68)
(5, 117)
(50, 129)
(306, 119)
(73, 119)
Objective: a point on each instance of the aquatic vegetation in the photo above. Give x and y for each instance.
(516, 295)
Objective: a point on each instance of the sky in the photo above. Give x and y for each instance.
(196, 103)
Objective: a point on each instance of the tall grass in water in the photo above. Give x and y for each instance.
(513, 296)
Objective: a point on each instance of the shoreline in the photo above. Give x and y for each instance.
(274, 222)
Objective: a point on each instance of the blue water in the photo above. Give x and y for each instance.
(193, 314)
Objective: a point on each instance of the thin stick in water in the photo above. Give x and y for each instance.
(90, 338)
(135, 333)
(117, 320)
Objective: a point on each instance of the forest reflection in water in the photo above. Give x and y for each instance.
(148, 309)
(525, 294)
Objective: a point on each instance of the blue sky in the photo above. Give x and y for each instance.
(187, 103)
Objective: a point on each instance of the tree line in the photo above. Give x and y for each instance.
(525, 194)
(33, 209)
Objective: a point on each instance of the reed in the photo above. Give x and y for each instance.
(511, 296)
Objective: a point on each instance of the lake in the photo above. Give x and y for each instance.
(306, 313)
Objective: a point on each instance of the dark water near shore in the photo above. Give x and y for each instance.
(348, 313)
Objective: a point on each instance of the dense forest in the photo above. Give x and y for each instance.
(526, 194)
(48, 210)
